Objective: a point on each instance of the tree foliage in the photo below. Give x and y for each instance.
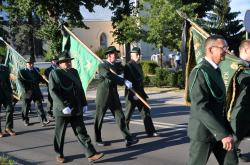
(163, 24)
(222, 21)
(203, 6)
(50, 12)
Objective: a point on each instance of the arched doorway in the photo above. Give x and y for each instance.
(103, 40)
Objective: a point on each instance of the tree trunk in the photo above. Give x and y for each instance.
(161, 55)
(31, 37)
(127, 52)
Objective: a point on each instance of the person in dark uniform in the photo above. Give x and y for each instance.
(6, 99)
(46, 73)
(30, 79)
(108, 97)
(207, 128)
(240, 117)
(134, 73)
(69, 101)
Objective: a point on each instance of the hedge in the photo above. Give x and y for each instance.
(165, 78)
(149, 67)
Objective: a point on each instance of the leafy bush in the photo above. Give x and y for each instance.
(6, 161)
(42, 70)
(148, 80)
(160, 76)
(149, 67)
(48, 55)
(171, 79)
(2, 51)
(165, 77)
(100, 53)
(180, 80)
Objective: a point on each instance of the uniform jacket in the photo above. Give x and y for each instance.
(48, 70)
(30, 80)
(107, 86)
(240, 118)
(5, 86)
(66, 90)
(134, 73)
(207, 94)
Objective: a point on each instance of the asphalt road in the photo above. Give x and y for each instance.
(34, 144)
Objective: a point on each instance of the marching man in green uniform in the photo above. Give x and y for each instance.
(6, 98)
(133, 72)
(46, 73)
(30, 79)
(207, 129)
(69, 102)
(240, 117)
(107, 97)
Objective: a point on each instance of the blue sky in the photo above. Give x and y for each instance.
(236, 5)
(240, 5)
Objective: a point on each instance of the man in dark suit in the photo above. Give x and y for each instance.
(207, 128)
(107, 97)
(69, 101)
(240, 117)
(30, 79)
(6, 99)
(133, 72)
(46, 73)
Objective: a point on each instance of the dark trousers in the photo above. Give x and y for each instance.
(80, 132)
(199, 153)
(145, 114)
(119, 118)
(50, 105)
(9, 113)
(26, 108)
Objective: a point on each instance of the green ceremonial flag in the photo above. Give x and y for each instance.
(85, 61)
(14, 61)
(229, 67)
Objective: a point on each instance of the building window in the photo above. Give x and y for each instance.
(103, 41)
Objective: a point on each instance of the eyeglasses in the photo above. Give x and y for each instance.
(225, 48)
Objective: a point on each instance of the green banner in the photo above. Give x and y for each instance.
(198, 44)
(228, 67)
(15, 62)
(85, 61)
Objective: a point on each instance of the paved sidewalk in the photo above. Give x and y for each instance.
(170, 95)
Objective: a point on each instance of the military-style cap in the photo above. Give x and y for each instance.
(31, 59)
(111, 49)
(136, 50)
(64, 56)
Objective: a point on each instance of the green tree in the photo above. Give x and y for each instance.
(50, 12)
(125, 27)
(222, 21)
(23, 27)
(202, 6)
(162, 23)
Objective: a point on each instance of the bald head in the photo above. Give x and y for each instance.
(245, 50)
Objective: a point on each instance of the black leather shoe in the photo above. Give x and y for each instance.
(155, 134)
(102, 144)
(131, 142)
(244, 158)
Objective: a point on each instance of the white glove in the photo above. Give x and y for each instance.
(85, 109)
(66, 111)
(135, 97)
(128, 84)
